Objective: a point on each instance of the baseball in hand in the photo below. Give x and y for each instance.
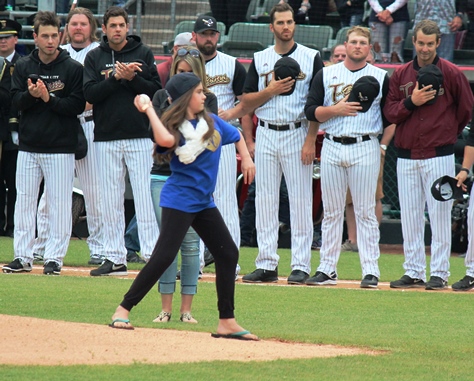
(144, 100)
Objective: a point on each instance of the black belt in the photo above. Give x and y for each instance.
(345, 140)
(280, 127)
(89, 118)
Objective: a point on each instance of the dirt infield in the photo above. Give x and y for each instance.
(77, 344)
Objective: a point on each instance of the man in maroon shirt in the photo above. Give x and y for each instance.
(430, 110)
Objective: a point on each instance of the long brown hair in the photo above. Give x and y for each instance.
(175, 115)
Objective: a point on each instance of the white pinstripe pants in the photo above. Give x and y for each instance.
(278, 152)
(415, 178)
(58, 173)
(357, 166)
(87, 170)
(113, 156)
(225, 196)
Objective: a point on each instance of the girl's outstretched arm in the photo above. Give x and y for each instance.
(161, 135)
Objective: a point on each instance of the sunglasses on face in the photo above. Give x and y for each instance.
(192, 52)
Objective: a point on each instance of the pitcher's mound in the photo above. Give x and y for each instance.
(32, 341)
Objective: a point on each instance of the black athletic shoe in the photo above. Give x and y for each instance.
(321, 279)
(369, 281)
(261, 276)
(110, 268)
(298, 277)
(465, 284)
(17, 266)
(407, 282)
(37, 257)
(133, 257)
(51, 268)
(436, 283)
(96, 259)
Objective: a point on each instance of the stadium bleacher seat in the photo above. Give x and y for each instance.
(244, 39)
(314, 36)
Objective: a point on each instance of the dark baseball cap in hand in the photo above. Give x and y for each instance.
(204, 23)
(430, 75)
(445, 188)
(364, 91)
(287, 67)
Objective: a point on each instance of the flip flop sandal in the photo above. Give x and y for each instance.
(128, 326)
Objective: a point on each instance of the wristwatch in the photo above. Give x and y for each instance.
(383, 146)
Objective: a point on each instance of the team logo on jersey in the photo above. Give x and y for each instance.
(214, 141)
(406, 89)
(268, 76)
(220, 79)
(339, 91)
(55, 86)
(3, 23)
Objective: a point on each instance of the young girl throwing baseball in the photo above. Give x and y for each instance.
(192, 139)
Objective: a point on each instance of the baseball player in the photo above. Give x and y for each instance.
(9, 31)
(283, 145)
(80, 28)
(47, 89)
(225, 78)
(431, 102)
(350, 155)
(114, 73)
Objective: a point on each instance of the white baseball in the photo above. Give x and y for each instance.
(144, 99)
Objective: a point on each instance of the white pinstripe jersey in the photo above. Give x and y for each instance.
(80, 56)
(285, 108)
(220, 76)
(338, 81)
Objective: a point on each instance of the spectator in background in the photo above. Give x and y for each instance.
(229, 11)
(182, 39)
(388, 21)
(338, 54)
(449, 19)
(351, 12)
(315, 10)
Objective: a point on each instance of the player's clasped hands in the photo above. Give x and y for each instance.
(38, 89)
(345, 108)
(126, 71)
(423, 95)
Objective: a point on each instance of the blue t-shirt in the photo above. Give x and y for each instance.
(190, 186)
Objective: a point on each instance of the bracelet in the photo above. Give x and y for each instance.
(460, 15)
(465, 170)
(383, 146)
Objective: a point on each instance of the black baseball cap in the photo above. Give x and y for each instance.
(287, 67)
(9, 28)
(180, 84)
(364, 91)
(445, 188)
(430, 75)
(204, 23)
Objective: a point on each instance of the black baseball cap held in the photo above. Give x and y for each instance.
(430, 75)
(204, 23)
(364, 91)
(180, 84)
(445, 188)
(287, 67)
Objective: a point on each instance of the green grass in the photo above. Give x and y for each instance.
(426, 334)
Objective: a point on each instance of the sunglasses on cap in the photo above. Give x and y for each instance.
(192, 52)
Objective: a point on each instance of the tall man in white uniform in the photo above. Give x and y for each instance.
(350, 155)
(225, 78)
(81, 29)
(283, 145)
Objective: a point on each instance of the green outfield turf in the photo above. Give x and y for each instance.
(426, 334)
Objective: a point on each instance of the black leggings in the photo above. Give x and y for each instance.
(210, 226)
